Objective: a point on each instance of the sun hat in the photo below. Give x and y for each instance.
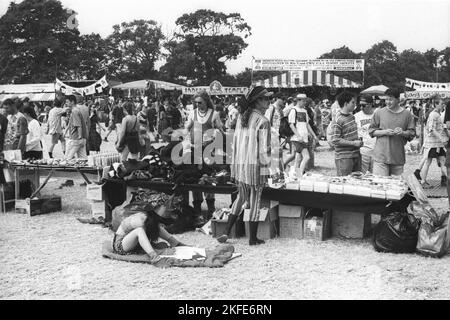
(301, 96)
(257, 92)
(365, 99)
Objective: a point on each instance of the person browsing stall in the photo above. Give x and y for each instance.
(363, 119)
(345, 137)
(393, 126)
(34, 145)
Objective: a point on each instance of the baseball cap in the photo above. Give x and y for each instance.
(366, 100)
(278, 95)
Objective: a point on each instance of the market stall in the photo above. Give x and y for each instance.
(138, 88)
(35, 92)
(216, 89)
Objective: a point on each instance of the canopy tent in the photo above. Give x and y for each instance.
(144, 84)
(297, 79)
(376, 90)
(35, 92)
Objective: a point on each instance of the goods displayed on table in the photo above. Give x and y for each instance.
(103, 159)
(368, 185)
(52, 162)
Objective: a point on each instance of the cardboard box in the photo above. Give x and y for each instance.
(291, 221)
(218, 228)
(317, 228)
(98, 209)
(34, 207)
(267, 223)
(94, 192)
(306, 185)
(351, 225)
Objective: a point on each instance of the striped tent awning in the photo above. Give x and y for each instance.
(298, 79)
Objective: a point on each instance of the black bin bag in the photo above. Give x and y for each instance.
(396, 233)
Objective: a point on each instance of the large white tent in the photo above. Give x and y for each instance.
(143, 85)
(297, 79)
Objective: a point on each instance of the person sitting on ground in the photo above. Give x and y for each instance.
(142, 228)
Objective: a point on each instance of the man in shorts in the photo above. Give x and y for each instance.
(55, 129)
(300, 141)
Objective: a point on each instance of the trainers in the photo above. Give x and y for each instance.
(417, 174)
(443, 181)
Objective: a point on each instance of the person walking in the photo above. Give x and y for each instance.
(128, 141)
(55, 129)
(33, 145)
(95, 139)
(393, 126)
(250, 160)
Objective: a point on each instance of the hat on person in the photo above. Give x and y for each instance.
(325, 101)
(301, 96)
(257, 92)
(366, 100)
(393, 93)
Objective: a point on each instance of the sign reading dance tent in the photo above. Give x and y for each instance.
(216, 89)
(426, 94)
(308, 65)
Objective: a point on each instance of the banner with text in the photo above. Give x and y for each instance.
(97, 87)
(216, 89)
(308, 65)
(421, 85)
(426, 94)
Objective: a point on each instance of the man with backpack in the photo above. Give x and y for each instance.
(301, 135)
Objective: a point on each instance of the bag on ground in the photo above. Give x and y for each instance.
(396, 233)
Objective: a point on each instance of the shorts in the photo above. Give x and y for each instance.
(299, 146)
(117, 245)
(57, 137)
(433, 153)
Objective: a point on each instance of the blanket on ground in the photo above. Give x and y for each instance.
(213, 258)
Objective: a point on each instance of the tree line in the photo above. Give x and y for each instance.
(38, 43)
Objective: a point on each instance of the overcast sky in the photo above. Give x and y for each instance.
(287, 28)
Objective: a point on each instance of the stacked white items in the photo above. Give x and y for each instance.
(222, 214)
(370, 186)
(53, 162)
(105, 159)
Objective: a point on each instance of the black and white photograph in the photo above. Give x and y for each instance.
(232, 152)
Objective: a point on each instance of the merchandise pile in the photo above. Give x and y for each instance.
(53, 162)
(368, 185)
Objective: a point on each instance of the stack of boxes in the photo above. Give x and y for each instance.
(105, 159)
(268, 218)
(94, 193)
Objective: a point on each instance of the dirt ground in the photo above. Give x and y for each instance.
(56, 257)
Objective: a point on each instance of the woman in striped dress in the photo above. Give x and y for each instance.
(250, 159)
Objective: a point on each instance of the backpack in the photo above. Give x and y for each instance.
(285, 130)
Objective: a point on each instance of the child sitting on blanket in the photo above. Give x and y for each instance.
(143, 228)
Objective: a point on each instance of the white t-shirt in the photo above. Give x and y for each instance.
(299, 117)
(34, 136)
(363, 122)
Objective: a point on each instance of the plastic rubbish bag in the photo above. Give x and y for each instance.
(434, 236)
(396, 233)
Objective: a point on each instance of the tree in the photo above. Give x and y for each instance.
(133, 49)
(36, 43)
(180, 62)
(414, 65)
(211, 38)
(382, 65)
(345, 52)
(91, 56)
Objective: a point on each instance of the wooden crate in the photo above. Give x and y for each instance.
(317, 228)
(38, 206)
(291, 221)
